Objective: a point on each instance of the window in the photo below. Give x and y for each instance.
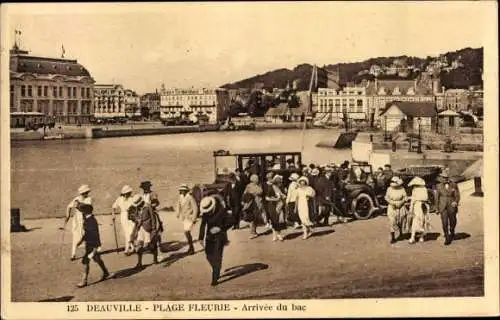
(88, 92)
(337, 102)
(69, 92)
(12, 108)
(61, 92)
(330, 102)
(344, 102)
(23, 91)
(45, 91)
(74, 92)
(39, 91)
(30, 92)
(337, 108)
(82, 92)
(54, 91)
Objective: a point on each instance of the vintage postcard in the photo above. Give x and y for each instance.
(249, 159)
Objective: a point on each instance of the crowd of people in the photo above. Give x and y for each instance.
(308, 200)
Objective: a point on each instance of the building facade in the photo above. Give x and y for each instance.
(212, 103)
(150, 105)
(332, 104)
(456, 99)
(132, 103)
(109, 101)
(59, 88)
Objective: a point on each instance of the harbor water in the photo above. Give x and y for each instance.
(46, 174)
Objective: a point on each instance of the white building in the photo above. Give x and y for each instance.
(132, 103)
(332, 104)
(213, 103)
(109, 101)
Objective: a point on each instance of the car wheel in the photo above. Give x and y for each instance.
(363, 207)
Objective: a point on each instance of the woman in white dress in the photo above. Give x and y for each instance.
(396, 211)
(419, 207)
(121, 205)
(304, 194)
(77, 223)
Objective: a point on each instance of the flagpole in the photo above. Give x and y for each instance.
(313, 75)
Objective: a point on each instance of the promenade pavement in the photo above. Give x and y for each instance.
(351, 260)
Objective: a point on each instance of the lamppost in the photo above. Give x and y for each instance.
(386, 137)
(419, 149)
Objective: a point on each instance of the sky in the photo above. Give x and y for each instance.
(211, 44)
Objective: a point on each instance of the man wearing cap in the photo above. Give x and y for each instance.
(92, 241)
(187, 212)
(147, 230)
(121, 205)
(290, 200)
(447, 199)
(148, 195)
(76, 206)
(324, 188)
(213, 214)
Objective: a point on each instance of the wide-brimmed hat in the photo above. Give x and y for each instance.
(417, 181)
(277, 178)
(183, 187)
(207, 204)
(315, 172)
(83, 189)
(396, 181)
(303, 179)
(254, 178)
(126, 189)
(138, 200)
(145, 184)
(293, 177)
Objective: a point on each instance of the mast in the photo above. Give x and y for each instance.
(314, 76)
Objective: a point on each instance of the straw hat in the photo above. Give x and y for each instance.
(138, 200)
(293, 177)
(254, 178)
(417, 181)
(183, 187)
(83, 189)
(207, 204)
(315, 172)
(305, 170)
(277, 178)
(396, 181)
(126, 189)
(145, 184)
(303, 179)
(328, 168)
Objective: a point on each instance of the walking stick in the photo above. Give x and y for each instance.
(62, 240)
(116, 236)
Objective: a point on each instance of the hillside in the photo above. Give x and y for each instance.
(468, 73)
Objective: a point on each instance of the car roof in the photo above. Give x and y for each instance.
(254, 154)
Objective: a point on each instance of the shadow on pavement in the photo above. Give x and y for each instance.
(291, 236)
(432, 236)
(239, 271)
(265, 233)
(172, 246)
(24, 229)
(113, 250)
(461, 236)
(322, 233)
(125, 273)
(58, 299)
(174, 257)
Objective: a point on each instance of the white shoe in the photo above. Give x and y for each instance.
(280, 238)
(275, 238)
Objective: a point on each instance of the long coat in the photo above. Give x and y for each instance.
(324, 190)
(187, 209)
(445, 196)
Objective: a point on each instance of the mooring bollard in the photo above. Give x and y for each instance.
(478, 190)
(15, 220)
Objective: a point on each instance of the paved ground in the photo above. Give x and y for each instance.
(352, 260)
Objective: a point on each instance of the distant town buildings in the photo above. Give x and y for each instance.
(150, 105)
(109, 101)
(42, 87)
(132, 103)
(333, 104)
(189, 103)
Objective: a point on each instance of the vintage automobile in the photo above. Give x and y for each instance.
(364, 197)
(225, 163)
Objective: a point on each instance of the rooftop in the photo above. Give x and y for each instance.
(413, 109)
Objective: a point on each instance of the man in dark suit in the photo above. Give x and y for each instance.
(324, 188)
(237, 188)
(447, 200)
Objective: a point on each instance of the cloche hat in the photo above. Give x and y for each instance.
(417, 181)
(303, 179)
(126, 189)
(293, 177)
(83, 189)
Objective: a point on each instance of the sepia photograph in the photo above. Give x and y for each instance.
(249, 159)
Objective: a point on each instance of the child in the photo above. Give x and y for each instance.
(92, 243)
